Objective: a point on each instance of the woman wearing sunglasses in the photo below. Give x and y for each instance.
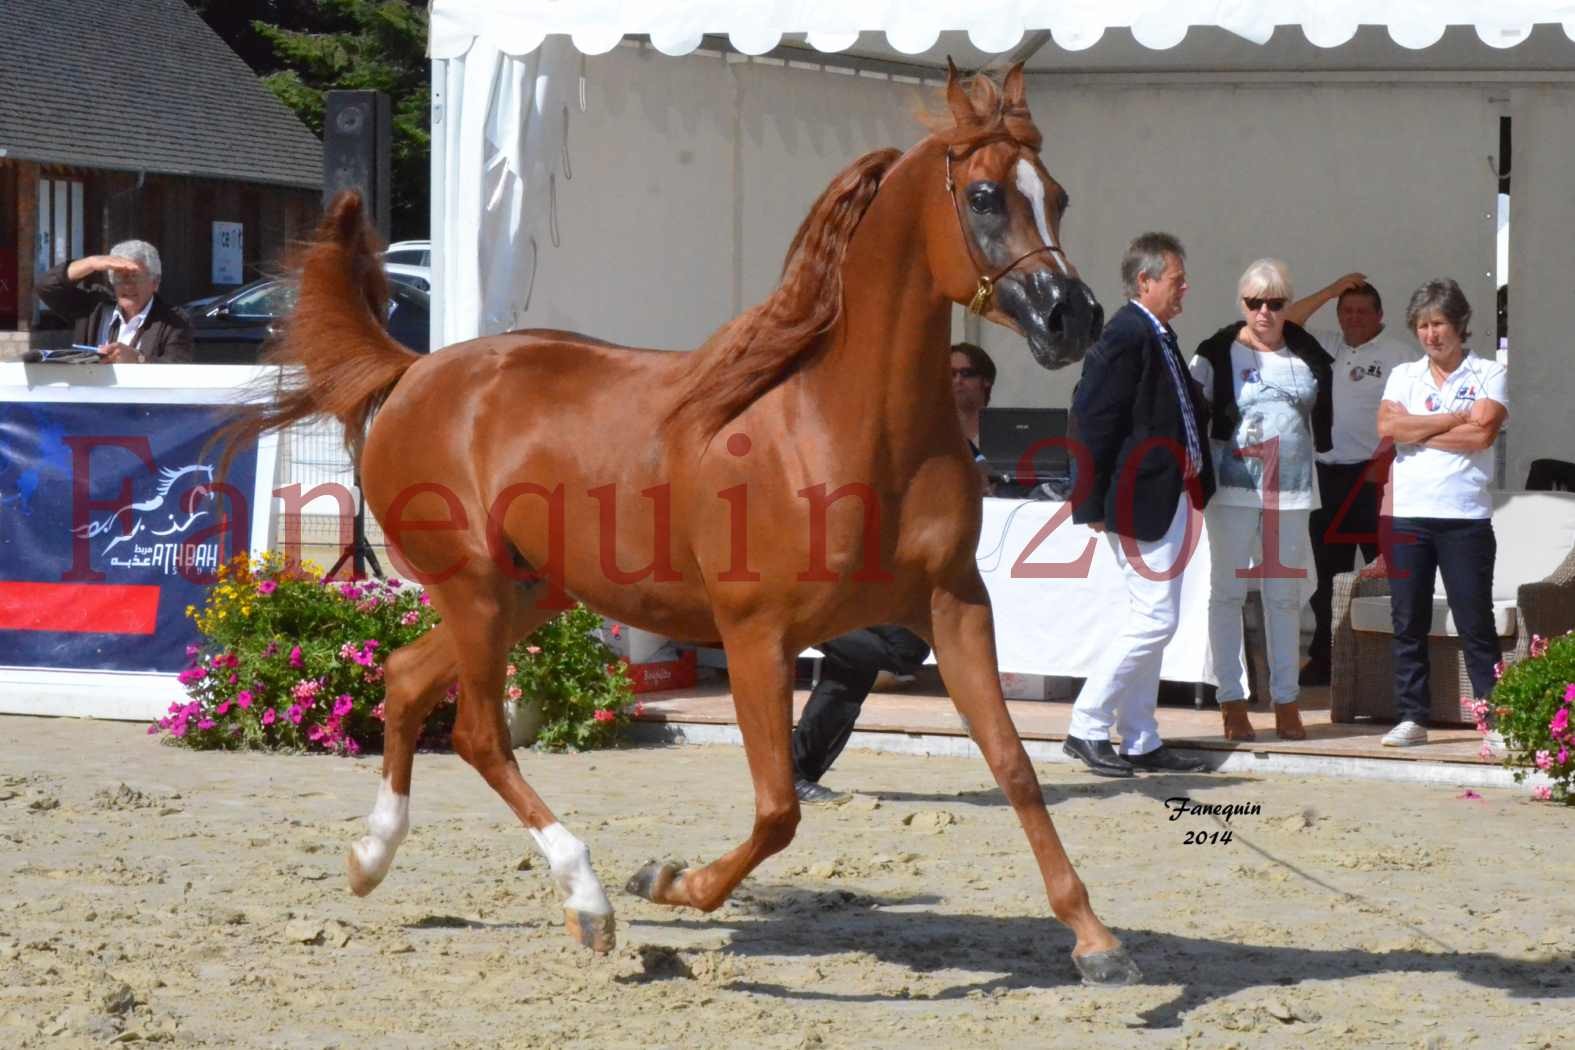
(1269, 383)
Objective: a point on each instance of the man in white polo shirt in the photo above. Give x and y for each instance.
(1443, 413)
(1351, 474)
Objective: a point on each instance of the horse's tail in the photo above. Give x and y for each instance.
(346, 364)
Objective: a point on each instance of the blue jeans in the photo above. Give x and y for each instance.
(1462, 551)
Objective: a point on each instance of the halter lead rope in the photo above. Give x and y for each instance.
(986, 289)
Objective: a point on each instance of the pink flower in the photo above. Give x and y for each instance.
(534, 650)
(1539, 645)
(306, 690)
(1563, 756)
(515, 692)
(425, 599)
(268, 717)
(1468, 793)
(512, 671)
(295, 713)
(153, 727)
(244, 699)
(1569, 693)
(343, 706)
(1542, 793)
(373, 674)
(604, 714)
(223, 708)
(191, 676)
(295, 656)
(1485, 751)
(411, 618)
(193, 650)
(178, 728)
(206, 723)
(1560, 723)
(1544, 760)
(617, 630)
(267, 587)
(347, 651)
(377, 712)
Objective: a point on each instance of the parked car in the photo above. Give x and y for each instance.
(232, 329)
(409, 253)
(415, 276)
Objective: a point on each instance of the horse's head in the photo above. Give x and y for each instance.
(999, 234)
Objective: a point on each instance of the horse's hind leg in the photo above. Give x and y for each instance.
(486, 617)
(415, 677)
(762, 680)
(964, 635)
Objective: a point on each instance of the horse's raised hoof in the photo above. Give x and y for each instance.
(599, 933)
(361, 881)
(1111, 967)
(654, 880)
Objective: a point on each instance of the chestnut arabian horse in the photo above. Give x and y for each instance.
(800, 475)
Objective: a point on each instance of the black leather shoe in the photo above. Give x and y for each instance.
(1314, 672)
(1100, 758)
(1163, 760)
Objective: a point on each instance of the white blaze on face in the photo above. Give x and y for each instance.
(388, 824)
(1032, 187)
(570, 862)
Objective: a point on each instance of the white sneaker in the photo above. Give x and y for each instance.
(1406, 734)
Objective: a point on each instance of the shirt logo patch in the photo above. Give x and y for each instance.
(1433, 403)
(1249, 375)
(1357, 373)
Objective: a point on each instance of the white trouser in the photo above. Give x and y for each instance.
(1124, 688)
(1235, 543)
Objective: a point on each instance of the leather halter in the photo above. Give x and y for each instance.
(986, 290)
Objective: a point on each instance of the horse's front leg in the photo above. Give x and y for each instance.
(761, 674)
(964, 637)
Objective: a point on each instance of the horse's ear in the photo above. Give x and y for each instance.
(1016, 96)
(957, 98)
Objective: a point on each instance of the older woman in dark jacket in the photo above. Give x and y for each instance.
(1268, 382)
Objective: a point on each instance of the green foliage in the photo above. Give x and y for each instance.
(350, 45)
(1535, 706)
(291, 661)
(583, 692)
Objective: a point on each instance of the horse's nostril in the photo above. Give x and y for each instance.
(1055, 320)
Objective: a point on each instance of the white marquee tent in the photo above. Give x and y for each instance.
(635, 168)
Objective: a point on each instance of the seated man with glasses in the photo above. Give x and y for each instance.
(128, 323)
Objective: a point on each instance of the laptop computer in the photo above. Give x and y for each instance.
(1006, 435)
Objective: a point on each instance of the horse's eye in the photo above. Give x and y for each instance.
(984, 197)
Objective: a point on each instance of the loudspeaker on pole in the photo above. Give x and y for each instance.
(357, 129)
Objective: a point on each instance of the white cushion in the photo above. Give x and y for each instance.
(1535, 532)
(1372, 614)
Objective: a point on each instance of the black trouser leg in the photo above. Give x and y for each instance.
(1414, 562)
(1350, 514)
(848, 671)
(1466, 550)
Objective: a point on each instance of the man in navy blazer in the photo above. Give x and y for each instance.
(1142, 470)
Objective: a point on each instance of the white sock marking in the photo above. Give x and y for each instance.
(570, 861)
(1030, 186)
(388, 824)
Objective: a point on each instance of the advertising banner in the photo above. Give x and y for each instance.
(113, 520)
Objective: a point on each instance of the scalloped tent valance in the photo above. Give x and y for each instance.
(912, 27)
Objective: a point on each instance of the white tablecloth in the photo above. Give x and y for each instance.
(1062, 626)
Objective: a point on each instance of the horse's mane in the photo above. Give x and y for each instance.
(764, 345)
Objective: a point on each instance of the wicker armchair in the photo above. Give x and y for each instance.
(1362, 679)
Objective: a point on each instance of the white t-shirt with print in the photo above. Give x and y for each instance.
(1433, 482)
(1360, 374)
(1275, 393)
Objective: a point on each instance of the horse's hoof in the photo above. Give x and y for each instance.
(653, 879)
(599, 933)
(361, 881)
(1108, 967)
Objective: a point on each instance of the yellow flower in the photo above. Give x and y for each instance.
(191, 611)
(222, 614)
(246, 610)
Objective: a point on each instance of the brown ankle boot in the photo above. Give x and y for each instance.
(1237, 725)
(1288, 722)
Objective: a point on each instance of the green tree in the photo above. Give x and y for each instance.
(366, 45)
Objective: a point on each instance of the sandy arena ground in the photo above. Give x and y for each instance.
(150, 894)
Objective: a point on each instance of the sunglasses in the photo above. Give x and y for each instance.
(1254, 303)
(966, 373)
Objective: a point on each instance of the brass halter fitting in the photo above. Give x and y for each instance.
(981, 298)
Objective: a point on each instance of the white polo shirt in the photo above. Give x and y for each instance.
(1431, 482)
(1360, 373)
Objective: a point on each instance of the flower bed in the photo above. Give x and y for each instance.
(1534, 703)
(292, 661)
